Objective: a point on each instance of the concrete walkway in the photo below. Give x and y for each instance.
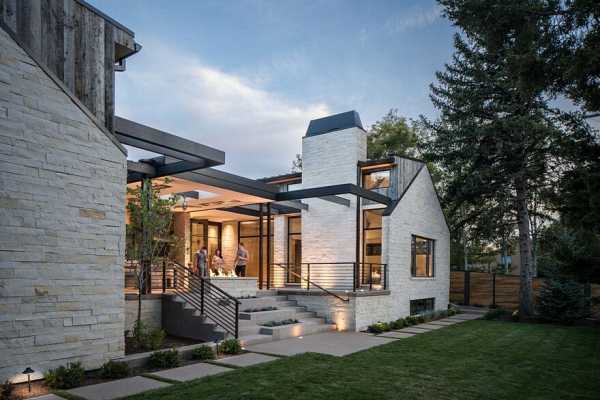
(332, 343)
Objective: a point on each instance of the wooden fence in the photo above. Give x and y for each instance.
(481, 289)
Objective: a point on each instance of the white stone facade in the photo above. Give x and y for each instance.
(151, 311)
(62, 235)
(329, 234)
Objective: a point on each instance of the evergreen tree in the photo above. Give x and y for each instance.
(497, 134)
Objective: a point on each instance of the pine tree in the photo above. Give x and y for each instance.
(497, 134)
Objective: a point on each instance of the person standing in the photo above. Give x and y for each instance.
(201, 262)
(241, 260)
(217, 263)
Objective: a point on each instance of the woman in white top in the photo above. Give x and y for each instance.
(217, 263)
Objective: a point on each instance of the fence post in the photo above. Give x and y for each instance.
(308, 277)
(370, 276)
(494, 290)
(237, 313)
(467, 288)
(164, 276)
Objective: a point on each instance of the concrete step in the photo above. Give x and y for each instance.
(302, 328)
(260, 302)
(274, 315)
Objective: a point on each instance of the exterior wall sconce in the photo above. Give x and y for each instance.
(28, 371)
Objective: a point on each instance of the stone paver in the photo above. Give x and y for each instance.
(332, 343)
(189, 372)
(246, 360)
(119, 388)
(397, 335)
(47, 397)
(413, 329)
(429, 326)
(465, 317)
(442, 322)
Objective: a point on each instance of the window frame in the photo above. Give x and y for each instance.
(413, 256)
(425, 308)
(373, 171)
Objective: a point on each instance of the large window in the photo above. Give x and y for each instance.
(294, 249)
(371, 267)
(249, 234)
(376, 179)
(204, 233)
(423, 251)
(422, 306)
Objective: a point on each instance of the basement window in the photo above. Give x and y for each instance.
(422, 306)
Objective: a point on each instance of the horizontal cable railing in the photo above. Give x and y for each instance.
(210, 300)
(331, 277)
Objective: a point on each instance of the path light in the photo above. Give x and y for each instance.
(28, 371)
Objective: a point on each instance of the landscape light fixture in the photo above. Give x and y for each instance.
(28, 371)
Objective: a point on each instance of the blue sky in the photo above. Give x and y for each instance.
(247, 76)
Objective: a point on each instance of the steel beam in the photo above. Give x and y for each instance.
(147, 138)
(324, 191)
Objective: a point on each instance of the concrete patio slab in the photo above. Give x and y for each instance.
(246, 360)
(332, 343)
(119, 388)
(397, 335)
(47, 397)
(193, 371)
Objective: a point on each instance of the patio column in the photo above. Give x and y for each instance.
(268, 245)
(260, 246)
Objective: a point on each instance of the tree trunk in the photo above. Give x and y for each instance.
(526, 284)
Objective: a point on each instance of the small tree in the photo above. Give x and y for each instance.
(392, 135)
(149, 234)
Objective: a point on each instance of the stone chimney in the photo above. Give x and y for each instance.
(331, 150)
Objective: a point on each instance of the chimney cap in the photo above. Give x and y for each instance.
(336, 122)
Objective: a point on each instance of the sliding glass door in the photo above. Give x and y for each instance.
(294, 250)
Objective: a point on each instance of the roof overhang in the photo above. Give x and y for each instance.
(181, 155)
(334, 190)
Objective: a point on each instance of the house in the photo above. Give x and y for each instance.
(347, 242)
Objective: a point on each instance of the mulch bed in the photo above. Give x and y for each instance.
(168, 343)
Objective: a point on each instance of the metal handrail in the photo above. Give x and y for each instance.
(208, 298)
(309, 282)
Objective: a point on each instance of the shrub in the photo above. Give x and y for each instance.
(203, 352)
(65, 377)
(379, 327)
(114, 370)
(410, 320)
(451, 312)
(495, 314)
(515, 316)
(164, 359)
(280, 323)
(561, 300)
(148, 339)
(397, 324)
(6, 390)
(230, 346)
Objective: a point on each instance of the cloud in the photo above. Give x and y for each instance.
(176, 91)
(416, 17)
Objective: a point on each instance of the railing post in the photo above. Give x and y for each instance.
(164, 276)
(202, 296)
(467, 288)
(237, 310)
(308, 278)
(370, 276)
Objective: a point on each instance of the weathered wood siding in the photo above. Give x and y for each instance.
(76, 42)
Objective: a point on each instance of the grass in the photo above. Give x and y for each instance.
(472, 360)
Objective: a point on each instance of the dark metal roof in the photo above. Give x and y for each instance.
(294, 176)
(337, 122)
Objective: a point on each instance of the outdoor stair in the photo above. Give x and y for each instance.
(184, 320)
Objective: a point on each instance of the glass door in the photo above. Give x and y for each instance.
(204, 233)
(294, 250)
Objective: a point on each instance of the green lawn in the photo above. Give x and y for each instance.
(473, 360)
